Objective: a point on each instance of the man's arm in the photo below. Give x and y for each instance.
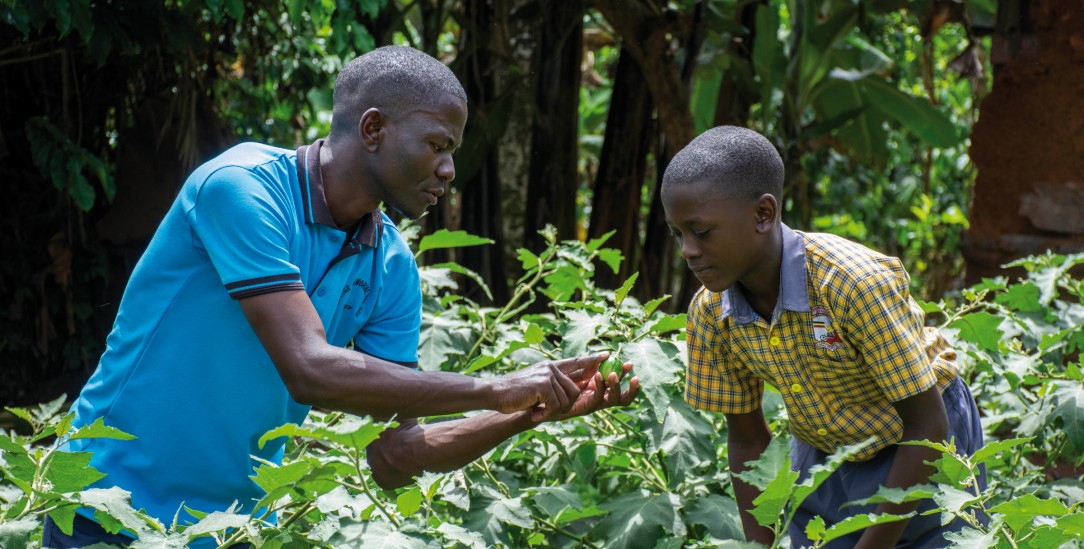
(321, 374)
(401, 454)
(924, 418)
(747, 436)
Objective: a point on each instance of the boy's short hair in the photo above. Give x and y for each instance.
(397, 80)
(730, 160)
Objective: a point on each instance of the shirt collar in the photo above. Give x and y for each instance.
(311, 177)
(793, 291)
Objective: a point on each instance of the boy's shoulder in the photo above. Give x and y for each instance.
(832, 255)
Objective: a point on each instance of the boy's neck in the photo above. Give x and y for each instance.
(761, 286)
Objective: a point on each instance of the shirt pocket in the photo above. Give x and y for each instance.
(839, 371)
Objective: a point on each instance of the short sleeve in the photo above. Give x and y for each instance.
(245, 223)
(392, 332)
(714, 381)
(886, 326)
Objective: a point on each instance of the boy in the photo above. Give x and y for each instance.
(828, 322)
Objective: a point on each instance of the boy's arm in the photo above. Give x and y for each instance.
(747, 436)
(924, 418)
(403, 453)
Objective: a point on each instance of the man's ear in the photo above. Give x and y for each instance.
(371, 129)
(767, 212)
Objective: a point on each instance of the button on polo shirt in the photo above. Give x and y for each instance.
(844, 342)
(183, 370)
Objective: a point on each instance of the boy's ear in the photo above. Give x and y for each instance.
(767, 213)
(371, 129)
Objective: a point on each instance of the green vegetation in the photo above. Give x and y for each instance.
(652, 475)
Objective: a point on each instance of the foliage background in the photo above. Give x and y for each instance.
(575, 108)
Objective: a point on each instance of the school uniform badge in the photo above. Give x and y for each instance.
(823, 333)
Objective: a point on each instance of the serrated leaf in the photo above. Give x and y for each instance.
(1022, 298)
(533, 335)
(553, 500)
(980, 328)
(657, 369)
(897, 495)
(462, 536)
(771, 462)
(669, 323)
(386, 535)
(768, 507)
(115, 504)
(611, 257)
(860, 522)
(719, 514)
(650, 306)
(639, 519)
(217, 521)
(578, 330)
(624, 290)
(444, 238)
(71, 471)
(1067, 412)
(1022, 510)
(457, 268)
(814, 529)
(685, 439)
(16, 534)
(271, 478)
(596, 243)
(990, 449)
(409, 501)
(820, 472)
(352, 432)
(99, 429)
(952, 502)
(494, 512)
(970, 538)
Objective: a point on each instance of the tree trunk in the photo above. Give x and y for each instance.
(1028, 143)
(616, 200)
(479, 196)
(553, 180)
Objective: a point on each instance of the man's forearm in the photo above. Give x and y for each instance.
(364, 385)
(745, 493)
(404, 453)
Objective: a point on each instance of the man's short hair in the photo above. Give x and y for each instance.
(731, 161)
(397, 80)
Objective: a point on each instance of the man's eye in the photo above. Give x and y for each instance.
(438, 148)
(702, 234)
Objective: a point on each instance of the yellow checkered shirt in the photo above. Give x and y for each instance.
(840, 349)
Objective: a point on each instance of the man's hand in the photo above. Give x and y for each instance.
(548, 388)
(603, 392)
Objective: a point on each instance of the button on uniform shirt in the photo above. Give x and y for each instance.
(183, 370)
(845, 341)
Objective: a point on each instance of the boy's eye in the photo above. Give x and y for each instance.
(702, 233)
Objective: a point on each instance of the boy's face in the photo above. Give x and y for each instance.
(717, 236)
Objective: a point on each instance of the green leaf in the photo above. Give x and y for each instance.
(624, 290)
(897, 495)
(99, 429)
(718, 514)
(462, 536)
(768, 507)
(669, 323)
(64, 517)
(814, 529)
(611, 257)
(685, 439)
(409, 501)
(563, 282)
(820, 472)
(864, 135)
(71, 471)
(271, 478)
(352, 533)
(970, 538)
(236, 9)
(1021, 510)
(217, 521)
(980, 328)
(769, 465)
(596, 243)
(990, 449)
(444, 238)
(16, 534)
(553, 500)
(650, 306)
(352, 432)
(860, 522)
(114, 510)
(914, 113)
(657, 364)
(639, 519)
(1022, 298)
(443, 337)
(1067, 412)
(457, 268)
(533, 335)
(493, 512)
(579, 329)
(953, 501)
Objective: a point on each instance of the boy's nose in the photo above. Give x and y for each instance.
(688, 249)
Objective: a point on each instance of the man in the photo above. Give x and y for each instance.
(268, 263)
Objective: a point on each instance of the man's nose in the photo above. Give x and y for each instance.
(446, 169)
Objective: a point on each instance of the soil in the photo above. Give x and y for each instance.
(1030, 134)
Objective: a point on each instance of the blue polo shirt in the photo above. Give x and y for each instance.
(183, 370)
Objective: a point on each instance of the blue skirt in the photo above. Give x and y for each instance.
(858, 480)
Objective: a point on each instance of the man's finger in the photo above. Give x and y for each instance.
(571, 388)
(630, 394)
(587, 363)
